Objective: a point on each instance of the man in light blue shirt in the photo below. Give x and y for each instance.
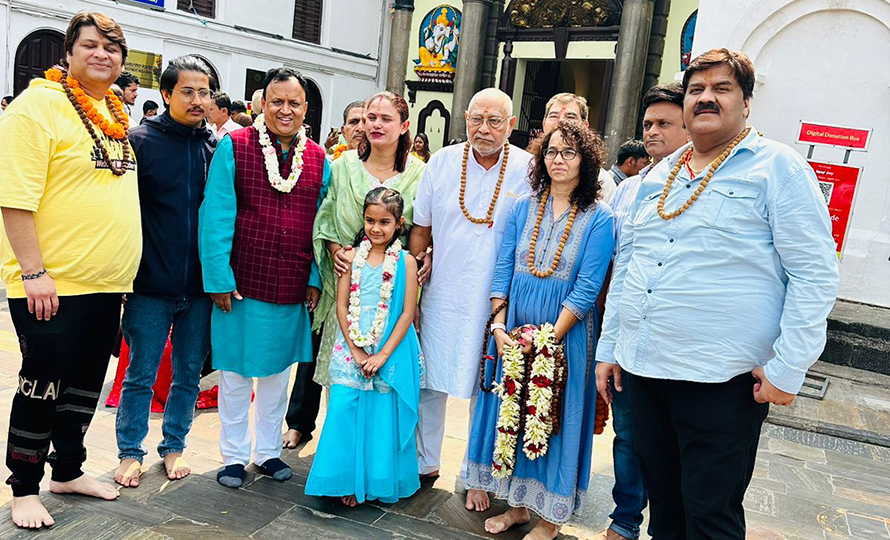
(663, 133)
(725, 275)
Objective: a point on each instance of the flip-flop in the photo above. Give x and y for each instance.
(135, 469)
(179, 463)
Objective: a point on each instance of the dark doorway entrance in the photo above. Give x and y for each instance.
(313, 114)
(38, 52)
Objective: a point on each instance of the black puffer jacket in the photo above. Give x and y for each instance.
(172, 162)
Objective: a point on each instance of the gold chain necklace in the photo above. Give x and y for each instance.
(687, 155)
(562, 241)
(497, 189)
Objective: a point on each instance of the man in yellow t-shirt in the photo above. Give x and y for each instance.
(71, 245)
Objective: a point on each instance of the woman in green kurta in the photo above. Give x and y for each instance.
(381, 160)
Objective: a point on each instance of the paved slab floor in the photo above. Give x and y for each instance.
(806, 487)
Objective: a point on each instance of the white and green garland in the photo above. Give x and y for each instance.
(270, 157)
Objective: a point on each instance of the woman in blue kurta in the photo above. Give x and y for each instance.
(367, 449)
(565, 178)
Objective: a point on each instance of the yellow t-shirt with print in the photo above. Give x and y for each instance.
(87, 219)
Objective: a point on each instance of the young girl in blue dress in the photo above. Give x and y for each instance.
(367, 449)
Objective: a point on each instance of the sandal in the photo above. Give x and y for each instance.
(133, 471)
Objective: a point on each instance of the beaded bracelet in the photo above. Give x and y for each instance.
(33, 276)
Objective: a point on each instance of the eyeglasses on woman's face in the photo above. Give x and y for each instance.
(567, 154)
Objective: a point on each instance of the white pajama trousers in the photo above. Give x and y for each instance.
(270, 406)
(430, 432)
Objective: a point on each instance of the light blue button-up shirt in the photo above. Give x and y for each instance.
(745, 277)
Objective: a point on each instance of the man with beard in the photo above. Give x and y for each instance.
(465, 217)
(129, 85)
(725, 275)
(255, 241)
(70, 246)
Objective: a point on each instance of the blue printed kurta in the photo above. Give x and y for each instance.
(257, 338)
(551, 485)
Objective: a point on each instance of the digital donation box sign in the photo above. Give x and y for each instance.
(838, 184)
(828, 135)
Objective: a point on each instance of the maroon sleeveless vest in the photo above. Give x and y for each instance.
(272, 248)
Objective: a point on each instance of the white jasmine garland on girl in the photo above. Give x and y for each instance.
(354, 313)
(270, 157)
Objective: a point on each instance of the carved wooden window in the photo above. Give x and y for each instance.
(307, 20)
(204, 8)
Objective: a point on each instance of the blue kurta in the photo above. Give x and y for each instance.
(257, 338)
(367, 447)
(554, 484)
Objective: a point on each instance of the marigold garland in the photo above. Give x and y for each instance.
(117, 129)
(338, 151)
(89, 115)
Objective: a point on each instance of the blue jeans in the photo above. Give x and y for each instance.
(629, 492)
(146, 325)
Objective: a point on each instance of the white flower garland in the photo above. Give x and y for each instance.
(355, 304)
(538, 406)
(509, 390)
(538, 424)
(270, 157)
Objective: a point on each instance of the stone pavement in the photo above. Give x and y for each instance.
(806, 485)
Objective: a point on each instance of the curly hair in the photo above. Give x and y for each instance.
(589, 145)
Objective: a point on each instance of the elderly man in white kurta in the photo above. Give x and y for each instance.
(463, 202)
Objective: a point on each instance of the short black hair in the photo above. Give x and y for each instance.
(238, 106)
(223, 101)
(631, 149)
(8, 99)
(354, 105)
(170, 76)
(149, 106)
(283, 74)
(126, 79)
(671, 92)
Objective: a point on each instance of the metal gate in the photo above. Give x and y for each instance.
(541, 82)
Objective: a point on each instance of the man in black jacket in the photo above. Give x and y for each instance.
(173, 151)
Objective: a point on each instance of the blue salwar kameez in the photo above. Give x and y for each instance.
(367, 446)
(551, 485)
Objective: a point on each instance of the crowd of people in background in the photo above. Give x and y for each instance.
(687, 286)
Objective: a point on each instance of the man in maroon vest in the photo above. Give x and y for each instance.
(264, 186)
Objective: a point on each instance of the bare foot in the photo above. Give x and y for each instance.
(429, 476)
(29, 513)
(85, 485)
(477, 500)
(544, 530)
(510, 518)
(128, 472)
(349, 501)
(176, 466)
(609, 534)
(291, 439)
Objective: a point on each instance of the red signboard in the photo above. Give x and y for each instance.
(838, 185)
(852, 138)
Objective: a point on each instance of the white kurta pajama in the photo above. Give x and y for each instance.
(456, 304)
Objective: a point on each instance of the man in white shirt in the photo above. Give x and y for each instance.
(129, 85)
(218, 114)
(464, 201)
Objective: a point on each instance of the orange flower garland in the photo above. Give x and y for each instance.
(89, 115)
(116, 130)
(338, 151)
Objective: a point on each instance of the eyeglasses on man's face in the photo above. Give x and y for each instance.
(494, 122)
(189, 93)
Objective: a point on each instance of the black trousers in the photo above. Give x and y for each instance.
(305, 398)
(64, 361)
(697, 443)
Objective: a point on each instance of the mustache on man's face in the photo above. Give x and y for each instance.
(706, 106)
